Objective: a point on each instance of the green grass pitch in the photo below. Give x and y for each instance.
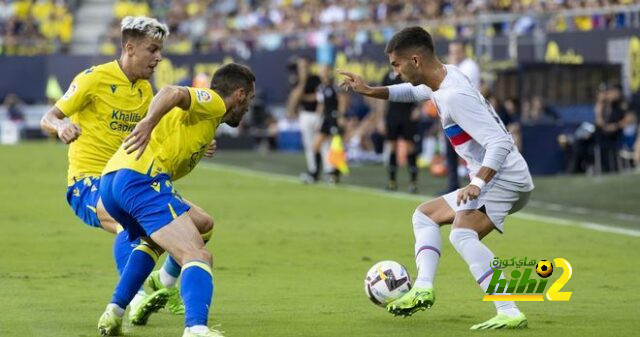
(289, 260)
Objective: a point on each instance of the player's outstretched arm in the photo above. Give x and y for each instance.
(165, 100)
(53, 123)
(355, 83)
(405, 92)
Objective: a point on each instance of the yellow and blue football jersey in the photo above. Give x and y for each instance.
(107, 107)
(179, 140)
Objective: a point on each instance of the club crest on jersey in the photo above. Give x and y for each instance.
(72, 89)
(202, 96)
(156, 186)
(113, 88)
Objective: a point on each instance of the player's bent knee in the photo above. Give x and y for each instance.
(458, 236)
(207, 224)
(437, 210)
(203, 254)
(420, 220)
(202, 220)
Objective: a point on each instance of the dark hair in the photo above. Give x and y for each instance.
(230, 77)
(409, 38)
(132, 34)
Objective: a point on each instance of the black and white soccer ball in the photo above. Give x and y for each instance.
(386, 281)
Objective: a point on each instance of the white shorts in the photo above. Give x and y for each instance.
(497, 201)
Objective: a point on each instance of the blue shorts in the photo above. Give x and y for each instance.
(83, 197)
(140, 203)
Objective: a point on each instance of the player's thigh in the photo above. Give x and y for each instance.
(107, 222)
(438, 210)
(181, 239)
(474, 219)
(201, 219)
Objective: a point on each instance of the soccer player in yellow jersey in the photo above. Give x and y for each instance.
(104, 103)
(137, 190)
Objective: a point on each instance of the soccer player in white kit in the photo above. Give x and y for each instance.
(500, 179)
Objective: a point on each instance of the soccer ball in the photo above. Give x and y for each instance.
(544, 268)
(386, 281)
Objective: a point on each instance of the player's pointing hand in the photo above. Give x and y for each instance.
(353, 81)
(139, 138)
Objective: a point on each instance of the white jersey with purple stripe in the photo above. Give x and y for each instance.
(473, 128)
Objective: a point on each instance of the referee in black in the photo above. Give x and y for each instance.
(332, 105)
(400, 122)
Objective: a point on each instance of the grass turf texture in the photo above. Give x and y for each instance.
(289, 260)
(608, 199)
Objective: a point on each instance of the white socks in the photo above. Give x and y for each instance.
(116, 308)
(479, 258)
(427, 248)
(167, 280)
(198, 329)
(140, 296)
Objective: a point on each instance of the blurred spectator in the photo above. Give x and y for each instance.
(263, 127)
(303, 102)
(610, 113)
(6, 11)
(15, 126)
(509, 113)
(635, 108)
(469, 67)
(12, 103)
(579, 148)
(537, 111)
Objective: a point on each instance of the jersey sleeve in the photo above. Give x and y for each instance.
(408, 93)
(206, 103)
(79, 93)
(478, 119)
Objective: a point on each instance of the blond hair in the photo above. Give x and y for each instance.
(143, 26)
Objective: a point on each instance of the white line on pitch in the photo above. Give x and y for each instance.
(406, 196)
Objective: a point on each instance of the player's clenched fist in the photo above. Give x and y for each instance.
(211, 149)
(69, 132)
(471, 192)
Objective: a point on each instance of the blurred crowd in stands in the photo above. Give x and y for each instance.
(246, 25)
(29, 27)
(32, 27)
